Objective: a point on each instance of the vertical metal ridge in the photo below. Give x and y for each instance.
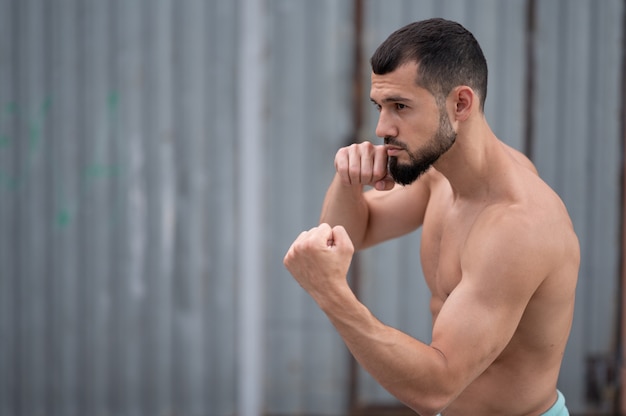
(250, 95)
(620, 399)
(529, 127)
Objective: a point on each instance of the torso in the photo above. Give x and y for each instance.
(526, 371)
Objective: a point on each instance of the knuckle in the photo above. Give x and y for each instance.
(355, 174)
(379, 172)
(366, 173)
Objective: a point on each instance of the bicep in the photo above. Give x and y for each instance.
(471, 331)
(479, 318)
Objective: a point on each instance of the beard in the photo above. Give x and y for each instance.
(422, 159)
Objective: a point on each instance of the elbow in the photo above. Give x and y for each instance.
(433, 400)
(432, 406)
(444, 387)
(427, 402)
(434, 390)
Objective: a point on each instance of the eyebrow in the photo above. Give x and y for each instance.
(392, 99)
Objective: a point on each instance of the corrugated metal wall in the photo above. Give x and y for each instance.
(309, 94)
(578, 150)
(117, 173)
(119, 179)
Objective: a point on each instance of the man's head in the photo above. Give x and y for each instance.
(447, 55)
(414, 73)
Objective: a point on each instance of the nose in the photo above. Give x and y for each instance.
(386, 127)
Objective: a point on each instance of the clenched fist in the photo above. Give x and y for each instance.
(319, 259)
(364, 164)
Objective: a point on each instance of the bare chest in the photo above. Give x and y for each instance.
(445, 231)
(440, 257)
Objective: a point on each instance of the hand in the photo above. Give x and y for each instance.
(364, 164)
(319, 259)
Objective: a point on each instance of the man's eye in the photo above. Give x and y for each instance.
(400, 106)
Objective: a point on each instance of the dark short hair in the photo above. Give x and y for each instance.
(448, 55)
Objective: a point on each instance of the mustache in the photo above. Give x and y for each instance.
(391, 141)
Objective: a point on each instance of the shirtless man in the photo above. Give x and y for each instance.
(498, 248)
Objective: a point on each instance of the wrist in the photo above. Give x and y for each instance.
(335, 298)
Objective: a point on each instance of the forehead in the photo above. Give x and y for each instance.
(401, 83)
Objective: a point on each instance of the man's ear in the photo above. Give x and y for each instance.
(464, 99)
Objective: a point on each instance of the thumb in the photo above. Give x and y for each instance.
(385, 184)
(341, 238)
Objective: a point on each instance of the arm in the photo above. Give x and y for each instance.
(473, 327)
(380, 213)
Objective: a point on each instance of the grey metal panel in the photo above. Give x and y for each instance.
(93, 216)
(577, 151)
(288, 98)
(219, 217)
(189, 300)
(8, 286)
(65, 199)
(309, 108)
(501, 32)
(117, 295)
(128, 292)
(604, 148)
(31, 199)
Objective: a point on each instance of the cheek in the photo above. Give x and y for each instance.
(422, 130)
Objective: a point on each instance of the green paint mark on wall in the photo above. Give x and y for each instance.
(34, 134)
(10, 108)
(96, 171)
(63, 218)
(113, 101)
(8, 181)
(45, 106)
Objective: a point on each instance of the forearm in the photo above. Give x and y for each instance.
(412, 371)
(345, 205)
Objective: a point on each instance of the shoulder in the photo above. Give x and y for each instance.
(521, 158)
(529, 239)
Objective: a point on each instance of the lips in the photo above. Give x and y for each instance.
(394, 150)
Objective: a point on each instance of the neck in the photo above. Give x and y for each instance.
(471, 163)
